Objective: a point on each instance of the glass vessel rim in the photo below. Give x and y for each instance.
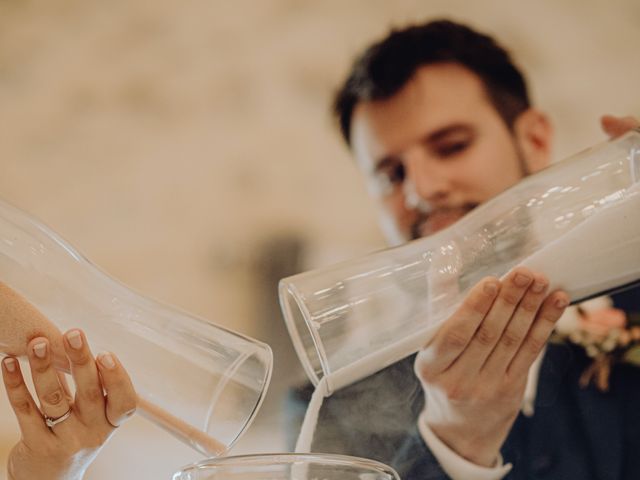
(289, 291)
(289, 458)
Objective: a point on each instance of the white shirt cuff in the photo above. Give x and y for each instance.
(529, 400)
(454, 465)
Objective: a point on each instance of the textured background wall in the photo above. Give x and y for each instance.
(175, 142)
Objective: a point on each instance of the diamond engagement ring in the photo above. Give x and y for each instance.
(51, 422)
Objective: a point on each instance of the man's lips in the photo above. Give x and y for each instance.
(440, 218)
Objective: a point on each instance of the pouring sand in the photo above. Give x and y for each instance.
(597, 256)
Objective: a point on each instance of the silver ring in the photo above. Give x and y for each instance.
(52, 422)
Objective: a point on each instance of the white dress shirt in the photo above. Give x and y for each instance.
(459, 468)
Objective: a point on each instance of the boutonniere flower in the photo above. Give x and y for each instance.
(608, 335)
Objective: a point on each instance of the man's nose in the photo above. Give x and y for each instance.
(425, 181)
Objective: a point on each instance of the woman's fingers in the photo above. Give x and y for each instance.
(121, 397)
(27, 413)
(94, 378)
(53, 400)
(65, 385)
(104, 393)
(89, 402)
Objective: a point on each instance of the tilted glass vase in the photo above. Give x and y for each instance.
(577, 221)
(199, 381)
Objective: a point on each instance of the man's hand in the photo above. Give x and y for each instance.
(474, 371)
(616, 126)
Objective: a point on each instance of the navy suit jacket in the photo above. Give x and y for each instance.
(575, 432)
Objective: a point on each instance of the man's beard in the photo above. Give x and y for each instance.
(497, 246)
(433, 219)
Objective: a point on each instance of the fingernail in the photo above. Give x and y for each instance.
(490, 288)
(106, 359)
(40, 349)
(10, 364)
(521, 280)
(75, 339)
(538, 286)
(561, 302)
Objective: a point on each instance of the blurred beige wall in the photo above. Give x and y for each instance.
(170, 141)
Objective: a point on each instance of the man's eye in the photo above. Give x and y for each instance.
(395, 174)
(389, 178)
(450, 149)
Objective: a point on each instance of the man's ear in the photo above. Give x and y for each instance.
(534, 134)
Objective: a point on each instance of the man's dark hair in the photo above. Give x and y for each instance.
(385, 67)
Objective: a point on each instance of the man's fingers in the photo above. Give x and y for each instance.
(492, 327)
(121, 397)
(456, 333)
(617, 126)
(517, 328)
(549, 313)
(90, 402)
(29, 416)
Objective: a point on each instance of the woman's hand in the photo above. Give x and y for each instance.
(62, 436)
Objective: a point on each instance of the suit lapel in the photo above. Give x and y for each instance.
(589, 419)
(602, 418)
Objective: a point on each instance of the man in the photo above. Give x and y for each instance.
(439, 121)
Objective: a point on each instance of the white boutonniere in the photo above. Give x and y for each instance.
(607, 334)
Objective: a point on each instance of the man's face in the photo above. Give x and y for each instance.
(434, 151)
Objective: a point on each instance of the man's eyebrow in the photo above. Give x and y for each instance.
(385, 162)
(432, 137)
(444, 132)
